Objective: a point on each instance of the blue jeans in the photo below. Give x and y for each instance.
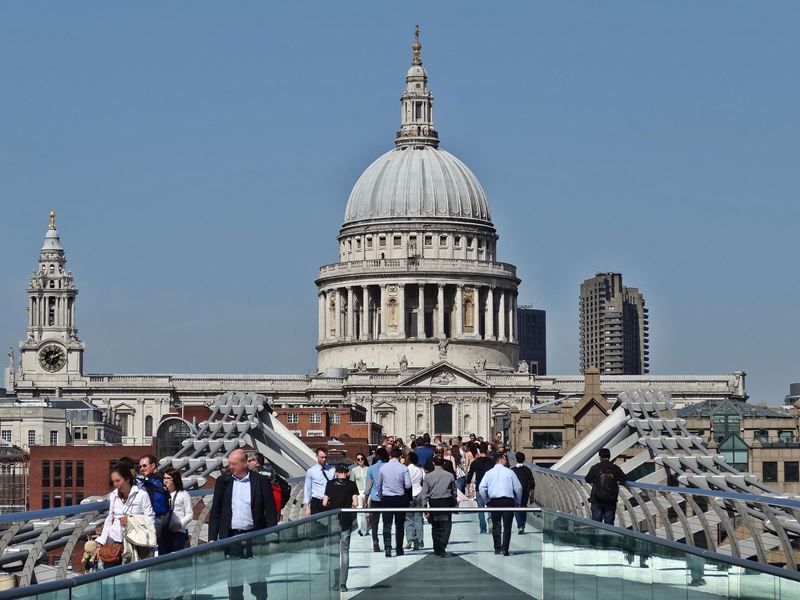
(604, 512)
(414, 521)
(481, 515)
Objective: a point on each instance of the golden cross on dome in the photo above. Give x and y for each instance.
(52, 219)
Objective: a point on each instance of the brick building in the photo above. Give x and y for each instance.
(65, 475)
(342, 427)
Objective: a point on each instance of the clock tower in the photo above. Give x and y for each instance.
(51, 353)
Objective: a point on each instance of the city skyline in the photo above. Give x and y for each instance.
(144, 282)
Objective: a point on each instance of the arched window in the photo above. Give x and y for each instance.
(171, 433)
(420, 423)
(443, 418)
(467, 424)
(148, 425)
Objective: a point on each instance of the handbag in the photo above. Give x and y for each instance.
(110, 552)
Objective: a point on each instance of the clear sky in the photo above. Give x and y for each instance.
(199, 156)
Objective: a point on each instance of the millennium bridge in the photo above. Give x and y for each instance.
(714, 532)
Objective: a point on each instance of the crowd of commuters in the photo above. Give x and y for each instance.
(150, 511)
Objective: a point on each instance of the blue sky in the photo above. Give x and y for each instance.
(199, 156)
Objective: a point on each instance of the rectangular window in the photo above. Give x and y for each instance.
(417, 110)
(369, 242)
(68, 473)
(428, 241)
(54, 438)
(336, 418)
(314, 433)
(443, 241)
(31, 437)
(316, 417)
(293, 418)
(45, 500)
(57, 473)
(79, 473)
(68, 499)
(546, 440)
(791, 471)
(382, 241)
(56, 500)
(78, 497)
(397, 241)
(786, 436)
(5, 435)
(45, 473)
(358, 243)
(770, 472)
(457, 241)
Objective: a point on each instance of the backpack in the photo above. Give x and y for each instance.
(280, 491)
(159, 496)
(607, 488)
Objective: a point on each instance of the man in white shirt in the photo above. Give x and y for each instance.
(414, 521)
(502, 489)
(317, 478)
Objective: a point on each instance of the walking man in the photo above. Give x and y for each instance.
(342, 493)
(502, 489)
(477, 469)
(604, 477)
(381, 458)
(414, 529)
(439, 491)
(317, 477)
(394, 490)
(525, 476)
(243, 502)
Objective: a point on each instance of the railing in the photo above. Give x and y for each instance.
(419, 265)
(28, 539)
(759, 528)
(560, 557)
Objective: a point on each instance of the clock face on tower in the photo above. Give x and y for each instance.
(52, 358)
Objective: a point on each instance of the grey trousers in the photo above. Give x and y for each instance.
(414, 521)
(344, 555)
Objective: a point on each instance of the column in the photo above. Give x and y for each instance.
(321, 316)
(338, 314)
(459, 311)
(401, 308)
(501, 317)
(30, 312)
(511, 337)
(516, 320)
(327, 302)
(382, 333)
(364, 334)
(440, 312)
(421, 310)
(476, 314)
(351, 324)
(490, 313)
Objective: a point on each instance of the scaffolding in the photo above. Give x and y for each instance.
(14, 471)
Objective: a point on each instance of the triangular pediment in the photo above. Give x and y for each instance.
(443, 375)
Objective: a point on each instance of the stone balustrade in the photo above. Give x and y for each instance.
(418, 265)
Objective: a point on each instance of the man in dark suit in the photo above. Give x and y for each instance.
(243, 502)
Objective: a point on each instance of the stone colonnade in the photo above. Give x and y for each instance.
(418, 311)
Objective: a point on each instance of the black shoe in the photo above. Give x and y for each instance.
(388, 553)
(417, 545)
(497, 550)
(521, 530)
(400, 552)
(342, 588)
(376, 546)
(506, 553)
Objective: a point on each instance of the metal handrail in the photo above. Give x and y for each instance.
(774, 500)
(62, 584)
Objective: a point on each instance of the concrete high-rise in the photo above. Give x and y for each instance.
(613, 323)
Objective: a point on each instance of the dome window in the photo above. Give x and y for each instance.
(382, 241)
(397, 241)
(358, 243)
(457, 241)
(428, 241)
(369, 243)
(443, 241)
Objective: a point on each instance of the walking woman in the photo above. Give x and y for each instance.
(358, 475)
(174, 536)
(458, 468)
(126, 500)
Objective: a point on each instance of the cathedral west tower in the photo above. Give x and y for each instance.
(51, 353)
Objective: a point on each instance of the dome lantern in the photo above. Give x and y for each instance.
(416, 117)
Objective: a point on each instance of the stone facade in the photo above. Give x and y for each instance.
(417, 320)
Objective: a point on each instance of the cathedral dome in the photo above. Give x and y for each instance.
(413, 181)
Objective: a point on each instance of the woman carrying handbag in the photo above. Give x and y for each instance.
(174, 535)
(125, 500)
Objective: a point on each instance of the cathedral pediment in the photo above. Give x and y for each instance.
(443, 375)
